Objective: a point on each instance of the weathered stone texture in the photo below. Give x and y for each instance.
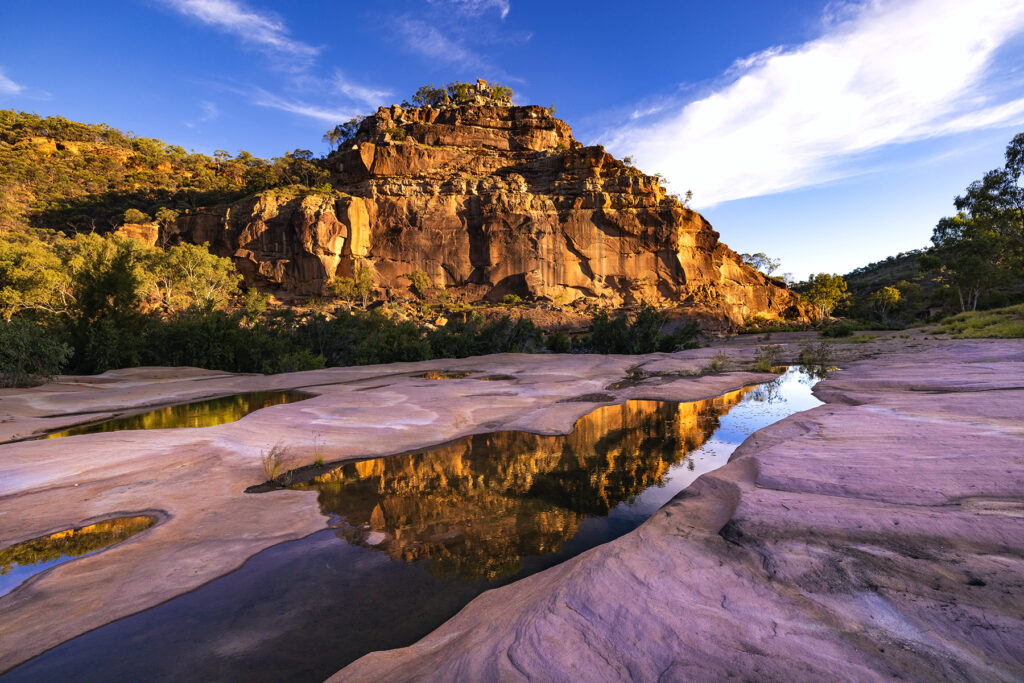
(488, 201)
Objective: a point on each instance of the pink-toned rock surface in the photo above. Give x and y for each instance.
(878, 536)
(194, 480)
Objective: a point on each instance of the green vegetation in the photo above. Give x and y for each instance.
(759, 261)
(75, 177)
(458, 93)
(824, 292)
(976, 260)
(29, 354)
(767, 357)
(1005, 322)
(646, 333)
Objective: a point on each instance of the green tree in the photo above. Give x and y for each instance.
(136, 216)
(884, 300)
(358, 287)
(32, 276)
(188, 275)
(824, 292)
(343, 132)
(970, 256)
(428, 95)
(29, 353)
(759, 261)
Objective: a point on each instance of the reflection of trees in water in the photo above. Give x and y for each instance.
(477, 506)
(209, 413)
(72, 542)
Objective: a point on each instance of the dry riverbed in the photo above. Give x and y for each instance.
(907, 398)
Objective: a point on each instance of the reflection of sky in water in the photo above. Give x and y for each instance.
(767, 404)
(304, 609)
(19, 573)
(23, 560)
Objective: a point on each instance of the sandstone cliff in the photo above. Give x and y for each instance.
(487, 200)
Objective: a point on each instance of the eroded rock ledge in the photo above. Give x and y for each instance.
(488, 201)
(877, 536)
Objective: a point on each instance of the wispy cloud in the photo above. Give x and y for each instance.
(367, 95)
(263, 30)
(429, 42)
(882, 72)
(210, 111)
(473, 7)
(263, 98)
(9, 87)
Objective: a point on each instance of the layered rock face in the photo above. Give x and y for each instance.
(488, 200)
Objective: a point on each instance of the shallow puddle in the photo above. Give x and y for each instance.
(416, 536)
(208, 413)
(440, 374)
(26, 559)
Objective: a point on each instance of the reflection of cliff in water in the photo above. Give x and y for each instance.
(477, 506)
(208, 413)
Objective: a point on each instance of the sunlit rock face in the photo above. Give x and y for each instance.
(488, 201)
(477, 506)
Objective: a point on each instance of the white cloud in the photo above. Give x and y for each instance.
(883, 72)
(264, 30)
(210, 111)
(265, 99)
(9, 87)
(423, 38)
(473, 7)
(371, 97)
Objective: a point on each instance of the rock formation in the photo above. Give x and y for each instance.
(487, 199)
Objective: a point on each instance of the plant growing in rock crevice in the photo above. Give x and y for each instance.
(816, 354)
(767, 357)
(718, 363)
(274, 464)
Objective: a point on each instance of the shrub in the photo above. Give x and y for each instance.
(136, 216)
(645, 334)
(767, 357)
(718, 363)
(816, 354)
(836, 329)
(557, 342)
(29, 353)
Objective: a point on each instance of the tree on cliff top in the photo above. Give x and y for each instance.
(343, 132)
(761, 262)
(460, 92)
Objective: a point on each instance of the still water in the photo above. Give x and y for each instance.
(208, 413)
(22, 560)
(414, 537)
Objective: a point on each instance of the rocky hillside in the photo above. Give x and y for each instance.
(487, 199)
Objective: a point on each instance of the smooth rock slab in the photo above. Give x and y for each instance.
(878, 536)
(194, 480)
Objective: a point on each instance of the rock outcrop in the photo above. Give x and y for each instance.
(876, 537)
(488, 200)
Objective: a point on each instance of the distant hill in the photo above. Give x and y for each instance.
(73, 177)
(889, 271)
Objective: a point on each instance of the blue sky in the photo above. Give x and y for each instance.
(828, 134)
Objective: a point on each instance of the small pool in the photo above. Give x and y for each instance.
(208, 413)
(416, 536)
(23, 560)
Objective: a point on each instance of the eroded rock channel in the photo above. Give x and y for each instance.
(413, 537)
